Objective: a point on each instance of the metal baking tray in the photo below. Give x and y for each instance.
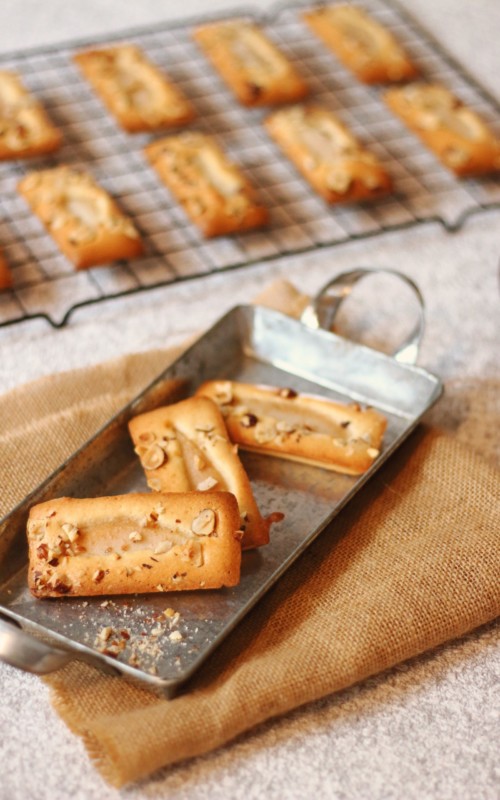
(252, 344)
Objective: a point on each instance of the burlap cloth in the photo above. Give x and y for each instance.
(413, 562)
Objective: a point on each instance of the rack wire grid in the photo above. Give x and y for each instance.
(47, 285)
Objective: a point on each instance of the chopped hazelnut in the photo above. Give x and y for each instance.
(204, 428)
(199, 462)
(193, 553)
(249, 420)
(62, 586)
(153, 458)
(42, 551)
(287, 393)
(265, 432)
(163, 547)
(105, 633)
(207, 484)
(148, 437)
(285, 427)
(71, 531)
(204, 523)
(224, 393)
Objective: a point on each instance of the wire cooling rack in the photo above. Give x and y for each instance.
(46, 284)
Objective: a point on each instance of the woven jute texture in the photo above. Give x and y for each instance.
(411, 563)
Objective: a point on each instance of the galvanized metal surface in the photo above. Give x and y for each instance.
(249, 344)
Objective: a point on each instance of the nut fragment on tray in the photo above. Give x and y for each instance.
(214, 193)
(185, 447)
(81, 217)
(361, 43)
(300, 427)
(133, 89)
(328, 155)
(250, 64)
(5, 274)
(25, 128)
(455, 133)
(134, 543)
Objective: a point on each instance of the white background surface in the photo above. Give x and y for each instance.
(426, 730)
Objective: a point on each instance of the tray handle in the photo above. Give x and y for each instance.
(323, 308)
(23, 651)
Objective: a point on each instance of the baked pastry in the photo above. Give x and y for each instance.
(455, 134)
(133, 89)
(361, 43)
(133, 543)
(25, 128)
(5, 274)
(81, 217)
(215, 194)
(300, 427)
(328, 155)
(250, 64)
(185, 447)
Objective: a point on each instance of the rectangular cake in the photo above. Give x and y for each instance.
(361, 43)
(82, 218)
(250, 63)
(213, 191)
(313, 430)
(185, 447)
(327, 154)
(456, 134)
(25, 128)
(133, 543)
(134, 90)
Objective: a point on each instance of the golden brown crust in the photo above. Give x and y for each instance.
(25, 129)
(305, 428)
(185, 447)
(361, 43)
(133, 89)
(214, 193)
(328, 155)
(5, 274)
(81, 217)
(251, 65)
(133, 543)
(455, 134)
